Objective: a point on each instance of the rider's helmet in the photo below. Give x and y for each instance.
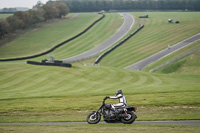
(119, 92)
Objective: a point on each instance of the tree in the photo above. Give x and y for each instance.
(61, 8)
(14, 23)
(38, 5)
(4, 28)
(24, 17)
(36, 15)
(49, 12)
(9, 9)
(96, 5)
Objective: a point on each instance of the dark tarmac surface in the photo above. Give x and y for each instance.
(123, 30)
(187, 122)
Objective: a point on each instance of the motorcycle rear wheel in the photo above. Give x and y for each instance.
(129, 119)
(94, 118)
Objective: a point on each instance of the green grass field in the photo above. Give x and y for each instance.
(98, 34)
(4, 15)
(156, 35)
(44, 39)
(187, 65)
(40, 93)
(31, 93)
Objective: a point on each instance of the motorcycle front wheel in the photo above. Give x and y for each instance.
(94, 118)
(129, 118)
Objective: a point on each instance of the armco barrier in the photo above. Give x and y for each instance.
(56, 63)
(55, 47)
(120, 43)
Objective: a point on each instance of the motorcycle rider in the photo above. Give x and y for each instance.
(122, 99)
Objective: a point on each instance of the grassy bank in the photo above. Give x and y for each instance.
(156, 35)
(3, 16)
(97, 35)
(35, 81)
(42, 40)
(38, 93)
(50, 35)
(31, 93)
(187, 65)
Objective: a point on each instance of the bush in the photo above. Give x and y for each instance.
(4, 28)
(21, 20)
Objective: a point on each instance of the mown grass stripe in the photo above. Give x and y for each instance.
(157, 35)
(49, 95)
(55, 47)
(91, 39)
(117, 45)
(19, 79)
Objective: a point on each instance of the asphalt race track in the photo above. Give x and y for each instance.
(141, 64)
(124, 29)
(187, 122)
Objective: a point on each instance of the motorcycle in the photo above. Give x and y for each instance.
(120, 114)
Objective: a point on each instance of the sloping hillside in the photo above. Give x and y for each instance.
(188, 65)
(50, 35)
(184, 61)
(156, 35)
(31, 93)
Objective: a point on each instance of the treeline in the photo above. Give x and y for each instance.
(21, 20)
(131, 5)
(12, 10)
(8, 10)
